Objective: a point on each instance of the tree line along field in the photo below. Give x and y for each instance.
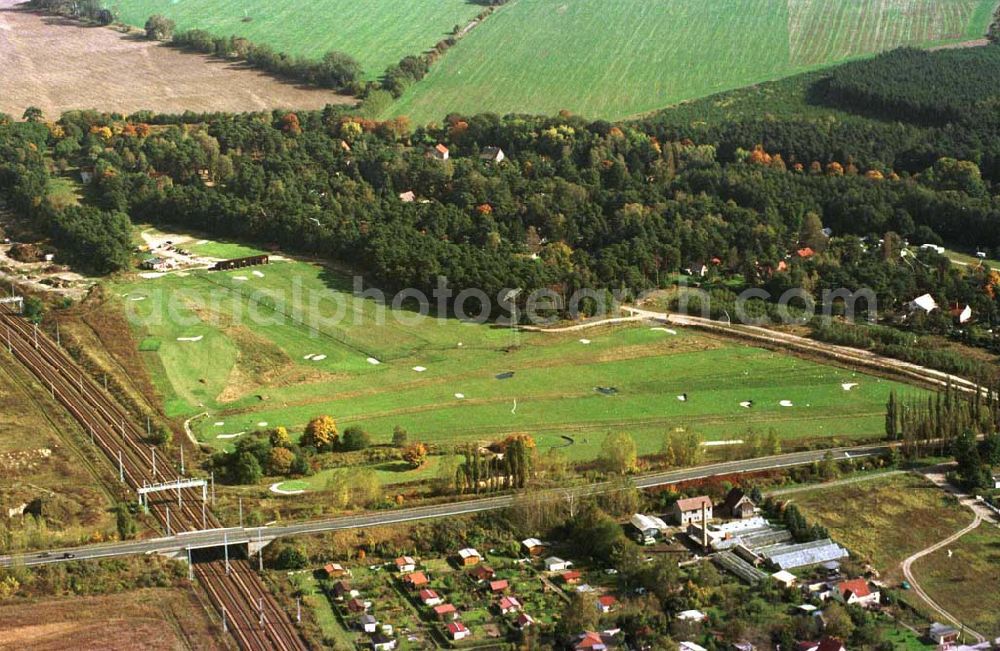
(616, 58)
(254, 376)
(377, 33)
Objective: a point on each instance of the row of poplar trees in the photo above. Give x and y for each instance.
(504, 465)
(935, 423)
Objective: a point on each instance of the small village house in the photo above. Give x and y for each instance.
(407, 197)
(368, 623)
(445, 611)
(570, 577)
(469, 556)
(556, 564)
(738, 505)
(593, 641)
(924, 303)
(355, 605)
(960, 314)
(430, 598)
(743, 646)
(497, 587)
(492, 155)
(524, 620)
(785, 578)
(440, 152)
(699, 269)
(687, 645)
(648, 528)
(942, 634)
(695, 616)
(606, 603)
(857, 592)
(532, 546)
(825, 644)
(415, 580)
(509, 605)
(482, 572)
(406, 564)
(382, 642)
(458, 631)
(341, 590)
(687, 510)
(334, 570)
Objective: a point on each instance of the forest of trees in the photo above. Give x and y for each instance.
(577, 203)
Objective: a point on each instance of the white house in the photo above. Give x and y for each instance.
(430, 598)
(857, 591)
(690, 646)
(925, 302)
(932, 247)
(406, 564)
(441, 152)
(368, 623)
(649, 527)
(556, 564)
(692, 616)
(492, 155)
(785, 578)
(686, 511)
(458, 631)
(381, 642)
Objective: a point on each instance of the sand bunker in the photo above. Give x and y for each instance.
(257, 274)
(460, 396)
(278, 491)
(585, 341)
(373, 361)
(220, 423)
(730, 442)
(230, 436)
(746, 404)
(786, 403)
(191, 339)
(318, 358)
(847, 386)
(262, 423)
(683, 397)
(666, 330)
(240, 278)
(419, 369)
(150, 275)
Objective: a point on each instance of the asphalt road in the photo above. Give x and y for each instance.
(180, 543)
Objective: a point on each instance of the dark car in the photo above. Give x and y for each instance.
(44, 555)
(69, 555)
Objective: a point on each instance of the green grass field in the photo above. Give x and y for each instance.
(616, 58)
(377, 33)
(284, 369)
(967, 582)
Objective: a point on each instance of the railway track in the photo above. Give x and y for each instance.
(250, 611)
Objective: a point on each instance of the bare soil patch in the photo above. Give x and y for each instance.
(58, 65)
(154, 619)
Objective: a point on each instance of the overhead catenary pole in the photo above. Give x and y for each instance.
(190, 566)
(241, 512)
(225, 547)
(168, 520)
(182, 459)
(260, 551)
(121, 468)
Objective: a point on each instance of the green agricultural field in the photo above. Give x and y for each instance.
(288, 367)
(377, 33)
(617, 58)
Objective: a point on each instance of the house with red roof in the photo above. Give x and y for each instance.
(482, 573)
(415, 580)
(524, 620)
(805, 253)
(445, 611)
(606, 603)
(458, 631)
(825, 644)
(334, 570)
(406, 564)
(570, 577)
(509, 605)
(440, 152)
(591, 641)
(430, 598)
(857, 591)
(499, 586)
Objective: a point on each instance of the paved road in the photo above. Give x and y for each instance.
(178, 544)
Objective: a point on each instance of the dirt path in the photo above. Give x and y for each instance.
(938, 477)
(832, 484)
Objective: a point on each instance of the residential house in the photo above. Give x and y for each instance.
(341, 590)
(492, 155)
(334, 570)
(440, 152)
(509, 605)
(556, 564)
(570, 577)
(825, 644)
(743, 646)
(155, 264)
(445, 611)
(524, 620)
(469, 556)
(695, 616)
(690, 646)
(415, 580)
(497, 587)
(430, 598)
(805, 253)
(785, 578)
(355, 605)
(961, 315)
(406, 564)
(382, 642)
(458, 631)
(924, 303)
(407, 197)
(688, 510)
(606, 603)
(368, 623)
(533, 546)
(482, 572)
(996, 481)
(738, 505)
(593, 641)
(86, 175)
(942, 634)
(699, 269)
(932, 247)
(857, 591)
